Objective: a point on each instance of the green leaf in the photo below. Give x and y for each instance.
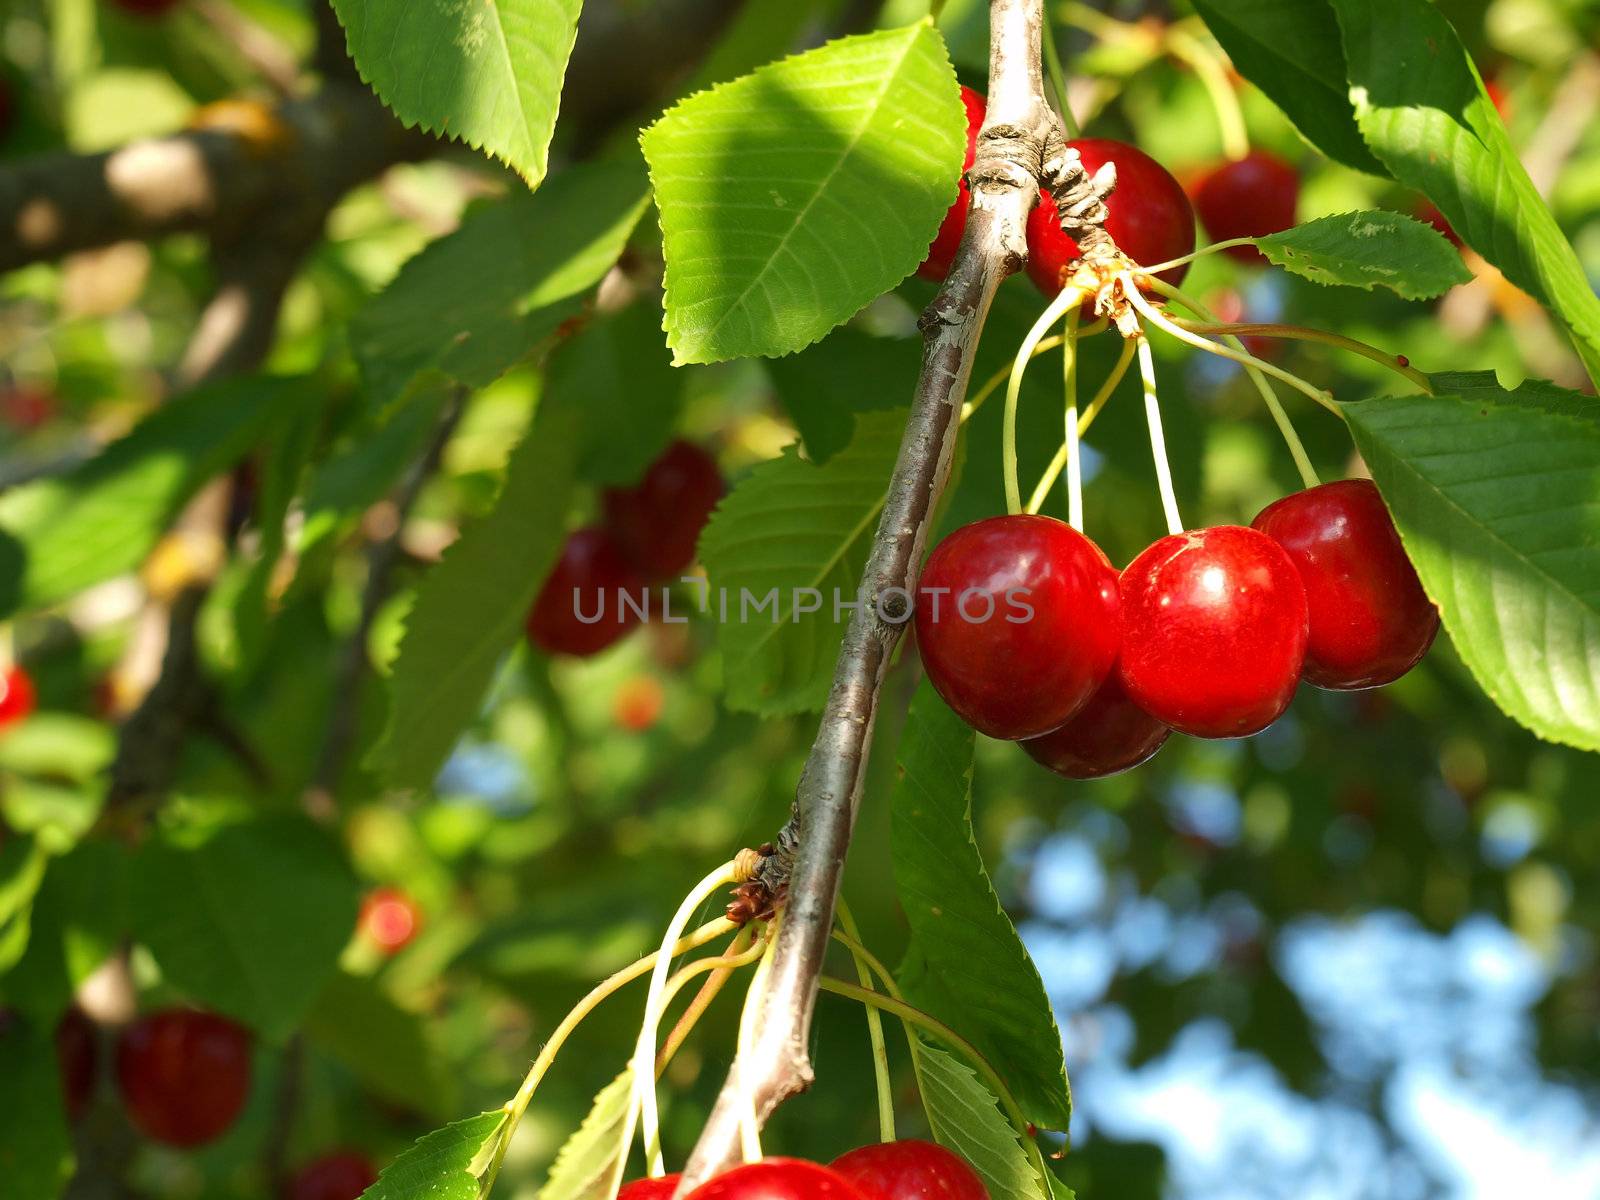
(22, 867)
(792, 196)
(249, 922)
(791, 535)
(36, 1157)
(590, 1164)
(487, 74)
(1532, 393)
(386, 1046)
(965, 1116)
(1424, 112)
(78, 918)
(470, 607)
(1368, 250)
(102, 518)
(1498, 505)
(848, 372)
(1291, 52)
(976, 974)
(442, 1165)
(476, 301)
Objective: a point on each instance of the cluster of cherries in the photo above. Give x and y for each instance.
(647, 535)
(903, 1170)
(1030, 634)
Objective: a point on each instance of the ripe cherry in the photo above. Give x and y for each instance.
(659, 1188)
(26, 407)
(948, 240)
(1017, 623)
(778, 1179)
(341, 1175)
(583, 606)
(657, 522)
(17, 697)
(1370, 619)
(1110, 734)
(1248, 197)
(1214, 631)
(389, 919)
(1150, 218)
(910, 1170)
(77, 1059)
(184, 1075)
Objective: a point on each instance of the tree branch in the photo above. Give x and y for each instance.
(1019, 136)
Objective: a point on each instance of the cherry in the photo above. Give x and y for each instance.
(1214, 631)
(1370, 619)
(184, 1075)
(25, 407)
(590, 579)
(17, 697)
(659, 1188)
(8, 105)
(389, 919)
(1110, 734)
(947, 241)
(657, 522)
(1017, 623)
(1150, 218)
(341, 1175)
(1248, 197)
(147, 8)
(77, 1059)
(778, 1179)
(637, 704)
(910, 1170)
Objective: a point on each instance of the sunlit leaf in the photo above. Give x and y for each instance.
(1367, 250)
(965, 1116)
(590, 1164)
(442, 1165)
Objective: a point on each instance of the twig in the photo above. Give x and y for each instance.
(285, 1100)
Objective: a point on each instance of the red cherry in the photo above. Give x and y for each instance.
(25, 407)
(1248, 197)
(1425, 210)
(659, 1188)
(778, 1179)
(1016, 621)
(1370, 619)
(1214, 631)
(389, 919)
(8, 105)
(584, 605)
(77, 1059)
(342, 1175)
(1110, 734)
(657, 522)
(17, 697)
(910, 1170)
(948, 240)
(184, 1075)
(1150, 220)
(147, 8)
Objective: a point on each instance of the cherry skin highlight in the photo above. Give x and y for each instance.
(1151, 220)
(1248, 197)
(590, 578)
(389, 919)
(17, 697)
(1214, 631)
(77, 1059)
(657, 522)
(342, 1175)
(1371, 622)
(778, 1179)
(942, 253)
(910, 1170)
(1017, 623)
(1110, 734)
(659, 1188)
(184, 1075)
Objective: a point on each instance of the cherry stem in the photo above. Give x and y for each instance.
(992, 384)
(1207, 64)
(1069, 297)
(880, 1052)
(1301, 333)
(749, 1119)
(1158, 441)
(1053, 471)
(743, 950)
(1069, 383)
(644, 1054)
(1211, 248)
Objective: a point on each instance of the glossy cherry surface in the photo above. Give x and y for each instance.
(1248, 197)
(17, 697)
(659, 1188)
(184, 1075)
(657, 522)
(1151, 220)
(1017, 623)
(1214, 631)
(910, 1170)
(1110, 734)
(77, 1059)
(778, 1179)
(389, 919)
(342, 1175)
(948, 240)
(1370, 619)
(589, 581)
